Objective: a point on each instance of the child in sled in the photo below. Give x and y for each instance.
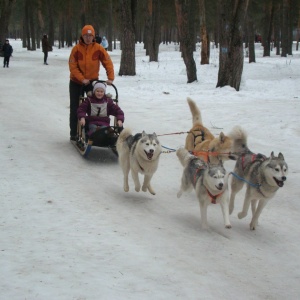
(96, 110)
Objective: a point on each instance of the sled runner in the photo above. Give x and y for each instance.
(105, 137)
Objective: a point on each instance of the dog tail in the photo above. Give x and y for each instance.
(196, 114)
(184, 156)
(125, 133)
(239, 140)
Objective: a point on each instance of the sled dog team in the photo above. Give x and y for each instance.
(202, 159)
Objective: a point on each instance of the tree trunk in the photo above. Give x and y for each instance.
(128, 15)
(6, 10)
(285, 28)
(51, 22)
(277, 28)
(110, 25)
(267, 32)
(185, 37)
(298, 32)
(69, 29)
(153, 29)
(32, 29)
(26, 24)
(231, 59)
(203, 34)
(251, 40)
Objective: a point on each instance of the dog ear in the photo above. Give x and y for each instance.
(222, 137)
(272, 154)
(143, 133)
(154, 134)
(280, 155)
(220, 162)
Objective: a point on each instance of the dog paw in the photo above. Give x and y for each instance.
(151, 191)
(137, 188)
(126, 188)
(241, 215)
(228, 226)
(252, 226)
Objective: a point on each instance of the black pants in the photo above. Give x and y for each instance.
(6, 61)
(76, 90)
(45, 57)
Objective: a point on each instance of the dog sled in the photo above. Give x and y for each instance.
(104, 137)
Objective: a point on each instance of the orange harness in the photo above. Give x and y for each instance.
(206, 154)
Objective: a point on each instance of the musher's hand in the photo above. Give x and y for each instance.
(109, 82)
(85, 81)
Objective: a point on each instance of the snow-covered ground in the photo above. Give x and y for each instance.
(67, 229)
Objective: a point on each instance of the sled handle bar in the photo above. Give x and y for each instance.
(103, 81)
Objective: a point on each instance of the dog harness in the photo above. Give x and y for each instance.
(197, 135)
(213, 197)
(201, 168)
(251, 159)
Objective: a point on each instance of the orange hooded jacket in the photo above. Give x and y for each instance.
(84, 62)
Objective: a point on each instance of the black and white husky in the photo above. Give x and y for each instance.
(209, 182)
(139, 154)
(263, 177)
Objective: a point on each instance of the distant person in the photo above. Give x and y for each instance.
(7, 53)
(46, 48)
(84, 65)
(98, 39)
(104, 43)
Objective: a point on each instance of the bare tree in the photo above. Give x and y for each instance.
(231, 59)
(153, 29)
(251, 30)
(110, 25)
(267, 27)
(186, 38)
(128, 15)
(5, 13)
(203, 34)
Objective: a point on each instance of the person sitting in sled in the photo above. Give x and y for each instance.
(97, 108)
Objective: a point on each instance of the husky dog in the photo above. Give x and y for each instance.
(140, 154)
(264, 176)
(208, 180)
(203, 143)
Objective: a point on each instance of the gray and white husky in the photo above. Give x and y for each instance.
(263, 176)
(209, 182)
(139, 154)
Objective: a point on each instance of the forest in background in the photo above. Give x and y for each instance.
(231, 25)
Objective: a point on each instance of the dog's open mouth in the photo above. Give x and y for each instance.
(279, 182)
(149, 155)
(220, 188)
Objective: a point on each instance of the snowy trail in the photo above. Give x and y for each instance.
(67, 229)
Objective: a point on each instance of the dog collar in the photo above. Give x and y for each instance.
(213, 197)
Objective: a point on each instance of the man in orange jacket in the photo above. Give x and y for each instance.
(84, 65)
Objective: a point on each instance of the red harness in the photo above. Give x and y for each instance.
(252, 159)
(213, 197)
